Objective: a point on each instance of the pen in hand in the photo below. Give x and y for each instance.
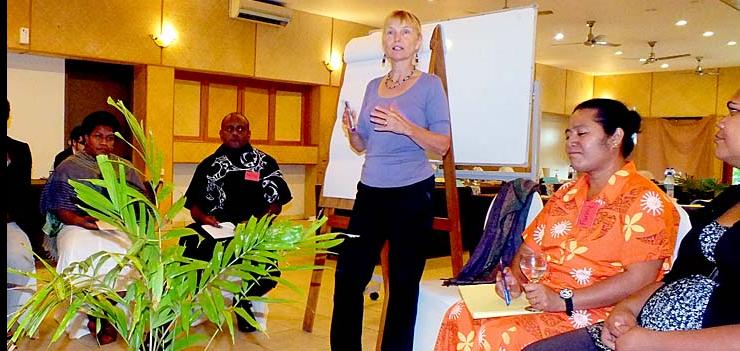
(507, 293)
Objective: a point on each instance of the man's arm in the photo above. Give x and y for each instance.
(201, 217)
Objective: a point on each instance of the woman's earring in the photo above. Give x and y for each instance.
(416, 59)
(383, 62)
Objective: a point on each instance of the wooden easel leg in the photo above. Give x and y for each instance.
(384, 311)
(309, 316)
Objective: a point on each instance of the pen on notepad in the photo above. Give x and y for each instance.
(507, 293)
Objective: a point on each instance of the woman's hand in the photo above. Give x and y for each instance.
(349, 119)
(88, 222)
(390, 119)
(620, 321)
(514, 286)
(543, 298)
(636, 339)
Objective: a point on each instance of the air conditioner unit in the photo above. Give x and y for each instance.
(271, 12)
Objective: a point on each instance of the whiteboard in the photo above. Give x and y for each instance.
(489, 63)
(490, 69)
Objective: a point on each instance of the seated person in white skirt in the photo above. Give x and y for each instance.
(73, 235)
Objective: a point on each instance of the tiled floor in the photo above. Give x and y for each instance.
(284, 320)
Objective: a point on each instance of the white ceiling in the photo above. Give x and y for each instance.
(630, 22)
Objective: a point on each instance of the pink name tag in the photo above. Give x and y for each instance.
(587, 217)
(251, 176)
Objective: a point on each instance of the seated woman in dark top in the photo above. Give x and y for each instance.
(696, 306)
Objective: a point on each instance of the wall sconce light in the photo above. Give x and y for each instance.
(166, 37)
(334, 63)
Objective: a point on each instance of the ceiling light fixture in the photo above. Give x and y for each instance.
(681, 23)
(665, 65)
(643, 59)
(559, 36)
(618, 53)
(731, 43)
(708, 33)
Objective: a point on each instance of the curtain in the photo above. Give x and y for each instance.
(686, 144)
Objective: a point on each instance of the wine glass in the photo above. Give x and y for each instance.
(534, 267)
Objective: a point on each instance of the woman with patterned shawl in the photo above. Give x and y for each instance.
(73, 235)
(606, 235)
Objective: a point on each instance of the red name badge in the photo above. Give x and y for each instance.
(587, 217)
(251, 176)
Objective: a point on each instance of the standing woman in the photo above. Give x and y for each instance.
(404, 114)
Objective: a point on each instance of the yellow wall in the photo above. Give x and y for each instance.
(562, 89)
(671, 94)
(208, 40)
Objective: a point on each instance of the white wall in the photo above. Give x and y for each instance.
(36, 94)
(295, 176)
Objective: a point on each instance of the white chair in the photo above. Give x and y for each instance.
(435, 299)
(684, 226)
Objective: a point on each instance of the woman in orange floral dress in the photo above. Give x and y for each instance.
(606, 235)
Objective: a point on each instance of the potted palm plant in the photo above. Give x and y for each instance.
(168, 291)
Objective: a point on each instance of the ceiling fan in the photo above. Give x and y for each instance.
(652, 58)
(699, 70)
(593, 40)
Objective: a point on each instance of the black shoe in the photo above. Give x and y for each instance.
(241, 323)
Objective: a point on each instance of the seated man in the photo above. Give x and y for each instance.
(17, 187)
(75, 144)
(73, 235)
(233, 184)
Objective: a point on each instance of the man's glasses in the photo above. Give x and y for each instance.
(238, 129)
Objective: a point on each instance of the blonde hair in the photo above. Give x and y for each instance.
(406, 17)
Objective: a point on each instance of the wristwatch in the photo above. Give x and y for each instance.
(567, 295)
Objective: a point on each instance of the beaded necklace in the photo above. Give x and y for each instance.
(393, 84)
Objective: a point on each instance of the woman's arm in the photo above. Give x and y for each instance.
(392, 120)
(604, 293)
(725, 338)
(349, 119)
(72, 218)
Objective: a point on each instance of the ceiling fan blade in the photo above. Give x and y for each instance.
(605, 43)
(563, 44)
(672, 57)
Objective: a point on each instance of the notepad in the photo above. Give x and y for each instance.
(226, 230)
(105, 226)
(483, 302)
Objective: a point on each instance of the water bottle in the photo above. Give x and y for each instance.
(669, 182)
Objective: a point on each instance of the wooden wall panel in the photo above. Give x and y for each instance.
(221, 101)
(683, 94)
(256, 108)
(328, 98)
(343, 32)
(187, 108)
(631, 89)
(295, 52)
(288, 113)
(108, 30)
(196, 151)
(552, 80)
(728, 84)
(156, 86)
(19, 15)
(208, 39)
(579, 87)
